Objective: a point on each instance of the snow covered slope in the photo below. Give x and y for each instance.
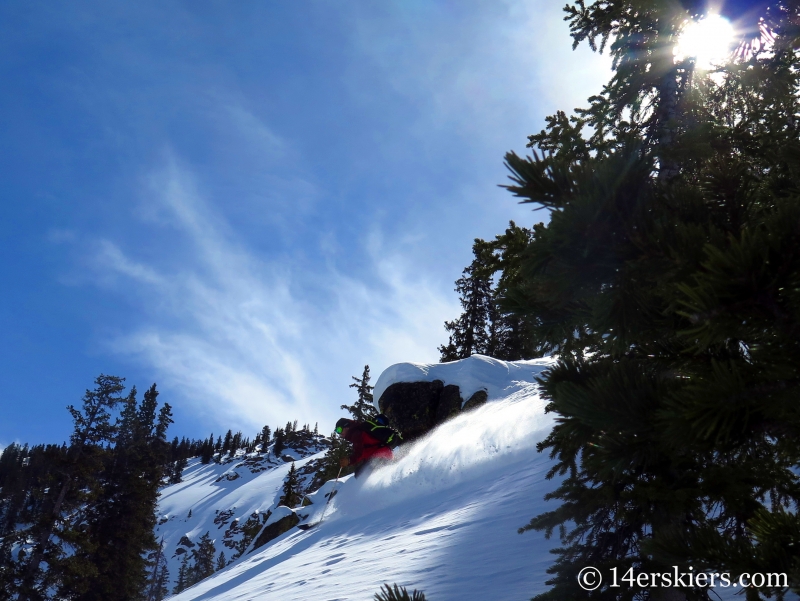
(227, 500)
(443, 518)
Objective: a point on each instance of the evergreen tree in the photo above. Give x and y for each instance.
(7, 566)
(162, 583)
(207, 450)
(203, 558)
(363, 408)
(279, 442)
(92, 429)
(13, 486)
(227, 443)
(220, 561)
(398, 593)
(184, 574)
(81, 514)
(291, 488)
(338, 449)
(665, 280)
(160, 578)
(177, 470)
(266, 435)
(471, 333)
(487, 326)
(172, 456)
(121, 522)
(512, 338)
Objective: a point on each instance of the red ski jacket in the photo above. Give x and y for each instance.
(365, 446)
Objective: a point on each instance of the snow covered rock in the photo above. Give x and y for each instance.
(418, 397)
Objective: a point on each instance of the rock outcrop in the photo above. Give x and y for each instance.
(476, 400)
(415, 408)
(275, 529)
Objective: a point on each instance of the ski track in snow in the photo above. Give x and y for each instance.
(442, 518)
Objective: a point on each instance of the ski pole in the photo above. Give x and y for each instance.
(330, 496)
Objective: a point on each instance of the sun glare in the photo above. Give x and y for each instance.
(709, 41)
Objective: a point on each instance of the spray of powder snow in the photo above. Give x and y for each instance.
(462, 449)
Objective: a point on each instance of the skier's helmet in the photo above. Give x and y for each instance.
(342, 424)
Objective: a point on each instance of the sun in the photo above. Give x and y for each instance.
(708, 41)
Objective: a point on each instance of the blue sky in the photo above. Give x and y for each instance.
(246, 202)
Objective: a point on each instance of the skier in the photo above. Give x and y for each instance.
(370, 441)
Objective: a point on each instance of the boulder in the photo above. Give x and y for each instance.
(411, 406)
(476, 400)
(415, 408)
(275, 529)
(449, 404)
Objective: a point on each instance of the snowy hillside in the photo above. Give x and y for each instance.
(443, 518)
(232, 500)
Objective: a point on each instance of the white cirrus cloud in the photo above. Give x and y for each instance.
(253, 341)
